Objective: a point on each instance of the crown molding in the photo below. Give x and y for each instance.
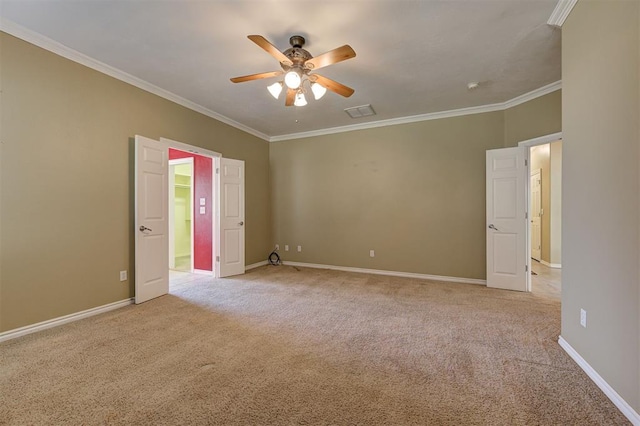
(57, 48)
(561, 12)
(60, 49)
(390, 122)
(545, 90)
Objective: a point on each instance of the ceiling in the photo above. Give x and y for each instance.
(413, 57)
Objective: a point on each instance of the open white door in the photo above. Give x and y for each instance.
(151, 221)
(506, 222)
(231, 190)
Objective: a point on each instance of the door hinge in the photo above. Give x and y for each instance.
(526, 268)
(525, 162)
(217, 258)
(526, 215)
(217, 170)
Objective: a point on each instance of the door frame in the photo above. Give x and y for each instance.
(172, 207)
(542, 140)
(215, 229)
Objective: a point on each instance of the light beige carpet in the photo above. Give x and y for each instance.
(308, 347)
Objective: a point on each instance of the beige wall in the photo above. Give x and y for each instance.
(601, 188)
(414, 193)
(539, 117)
(66, 182)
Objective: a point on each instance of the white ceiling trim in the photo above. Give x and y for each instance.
(46, 43)
(561, 12)
(60, 49)
(549, 88)
(544, 90)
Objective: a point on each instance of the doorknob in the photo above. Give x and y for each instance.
(144, 228)
(493, 227)
(241, 223)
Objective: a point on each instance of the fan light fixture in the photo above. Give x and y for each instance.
(293, 79)
(298, 72)
(275, 89)
(300, 99)
(318, 90)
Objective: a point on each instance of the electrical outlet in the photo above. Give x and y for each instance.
(286, 247)
(372, 253)
(299, 249)
(123, 275)
(583, 318)
(277, 246)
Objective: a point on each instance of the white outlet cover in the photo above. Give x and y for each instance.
(123, 275)
(286, 247)
(202, 210)
(583, 318)
(203, 201)
(372, 253)
(299, 248)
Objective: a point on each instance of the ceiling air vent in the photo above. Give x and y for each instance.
(360, 111)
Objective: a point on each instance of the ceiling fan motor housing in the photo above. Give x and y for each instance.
(296, 53)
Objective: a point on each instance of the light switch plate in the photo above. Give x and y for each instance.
(203, 201)
(202, 210)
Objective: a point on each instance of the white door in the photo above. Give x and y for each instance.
(536, 212)
(231, 192)
(151, 221)
(506, 223)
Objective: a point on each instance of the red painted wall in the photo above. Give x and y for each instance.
(203, 223)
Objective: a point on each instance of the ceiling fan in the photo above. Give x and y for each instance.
(297, 66)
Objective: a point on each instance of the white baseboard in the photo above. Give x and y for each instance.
(551, 265)
(22, 331)
(255, 265)
(389, 273)
(617, 400)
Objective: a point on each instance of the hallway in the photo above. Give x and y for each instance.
(545, 280)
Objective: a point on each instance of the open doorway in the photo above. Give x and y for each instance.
(191, 227)
(181, 215)
(222, 200)
(544, 160)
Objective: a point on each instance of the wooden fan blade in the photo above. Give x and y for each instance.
(270, 49)
(291, 96)
(332, 85)
(256, 76)
(331, 57)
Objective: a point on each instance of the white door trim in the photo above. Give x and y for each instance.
(553, 137)
(215, 157)
(541, 140)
